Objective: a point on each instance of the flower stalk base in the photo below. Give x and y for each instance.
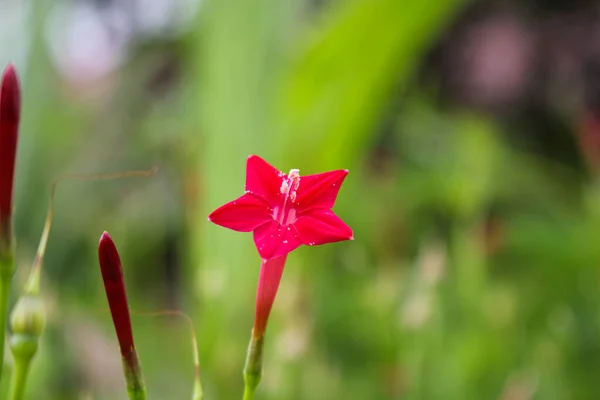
(7, 268)
(27, 324)
(133, 376)
(19, 379)
(253, 367)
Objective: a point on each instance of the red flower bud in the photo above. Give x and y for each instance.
(112, 274)
(10, 111)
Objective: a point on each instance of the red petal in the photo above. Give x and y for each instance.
(319, 190)
(262, 179)
(274, 240)
(244, 214)
(320, 226)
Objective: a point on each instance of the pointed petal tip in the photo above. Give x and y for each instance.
(10, 77)
(107, 246)
(243, 214)
(253, 157)
(262, 179)
(105, 237)
(108, 257)
(10, 71)
(10, 95)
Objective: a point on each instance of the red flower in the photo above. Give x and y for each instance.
(285, 210)
(10, 111)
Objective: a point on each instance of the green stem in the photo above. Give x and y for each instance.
(136, 389)
(253, 367)
(19, 378)
(137, 394)
(7, 267)
(249, 393)
(4, 292)
(198, 393)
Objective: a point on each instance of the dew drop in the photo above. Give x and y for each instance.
(285, 241)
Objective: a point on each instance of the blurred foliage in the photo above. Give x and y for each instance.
(474, 273)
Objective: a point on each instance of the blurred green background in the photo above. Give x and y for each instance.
(472, 134)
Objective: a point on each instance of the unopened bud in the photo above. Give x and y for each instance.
(27, 323)
(10, 111)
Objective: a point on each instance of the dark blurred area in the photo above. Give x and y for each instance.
(471, 130)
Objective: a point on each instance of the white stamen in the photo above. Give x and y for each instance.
(294, 178)
(291, 184)
(288, 189)
(285, 187)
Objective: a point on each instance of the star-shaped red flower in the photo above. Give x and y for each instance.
(285, 210)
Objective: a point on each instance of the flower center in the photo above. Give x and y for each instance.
(286, 214)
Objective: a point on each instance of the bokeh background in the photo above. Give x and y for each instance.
(471, 130)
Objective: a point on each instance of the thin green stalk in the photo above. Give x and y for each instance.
(253, 367)
(249, 392)
(198, 393)
(19, 379)
(4, 292)
(136, 389)
(27, 323)
(7, 267)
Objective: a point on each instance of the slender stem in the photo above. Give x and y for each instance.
(19, 378)
(249, 393)
(198, 393)
(253, 367)
(7, 268)
(4, 293)
(136, 389)
(268, 283)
